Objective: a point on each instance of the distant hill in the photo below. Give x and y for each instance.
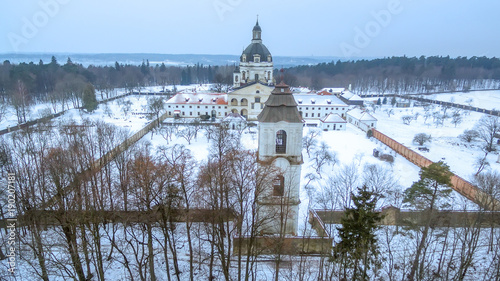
(167, 59)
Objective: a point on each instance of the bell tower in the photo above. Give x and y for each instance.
(280, 148)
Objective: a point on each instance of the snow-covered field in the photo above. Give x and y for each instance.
(481, 99)
(43, 109)
(445, 145)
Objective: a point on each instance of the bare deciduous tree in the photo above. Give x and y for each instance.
(488, 127)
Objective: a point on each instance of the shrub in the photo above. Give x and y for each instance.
(387, 158)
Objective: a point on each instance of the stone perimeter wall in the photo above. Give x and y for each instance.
(460, 185)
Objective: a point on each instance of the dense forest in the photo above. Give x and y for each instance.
(64, 85)
(400, 74)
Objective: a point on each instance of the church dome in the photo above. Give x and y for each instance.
(256, 49)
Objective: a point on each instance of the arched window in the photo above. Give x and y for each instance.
(244, 102)
(236, 78)
(281, 142)
(234, 102)
(244, 75)
(279, 186)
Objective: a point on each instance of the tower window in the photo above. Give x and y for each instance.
(279, 186)
(281, 142)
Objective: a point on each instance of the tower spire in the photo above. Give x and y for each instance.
(256, 32)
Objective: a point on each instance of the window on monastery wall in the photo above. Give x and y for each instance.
(312, 114)
(253, 105)
(190, 113)
(261, 106)
(236, 78)
(281, 142)
(199, 113)
(257, 99)
(244, 102)
(244, 76)
(306, 114)
(279, 186)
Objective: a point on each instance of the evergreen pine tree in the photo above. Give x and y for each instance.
(88, 98)
(357, 250)
(384, 101)
(427, 195)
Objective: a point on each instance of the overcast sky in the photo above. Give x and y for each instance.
(362, 28)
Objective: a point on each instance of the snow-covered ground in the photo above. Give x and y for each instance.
(43, 109)
(351, 147)
(481, 99)
(445, 145)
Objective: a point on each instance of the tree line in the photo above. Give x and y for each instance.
(63, 85)
(399, 74)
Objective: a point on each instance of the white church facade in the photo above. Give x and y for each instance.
(253, 82)
(256, 62)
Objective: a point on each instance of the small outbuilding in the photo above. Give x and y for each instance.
(362, 119)
(333, 122)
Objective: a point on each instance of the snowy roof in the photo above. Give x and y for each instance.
(333, 90)
(361, 115)
(333, 118)
(351, 96)
(198, 98)
(315, 99)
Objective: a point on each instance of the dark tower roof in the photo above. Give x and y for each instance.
(280, 106)
(257, 26)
